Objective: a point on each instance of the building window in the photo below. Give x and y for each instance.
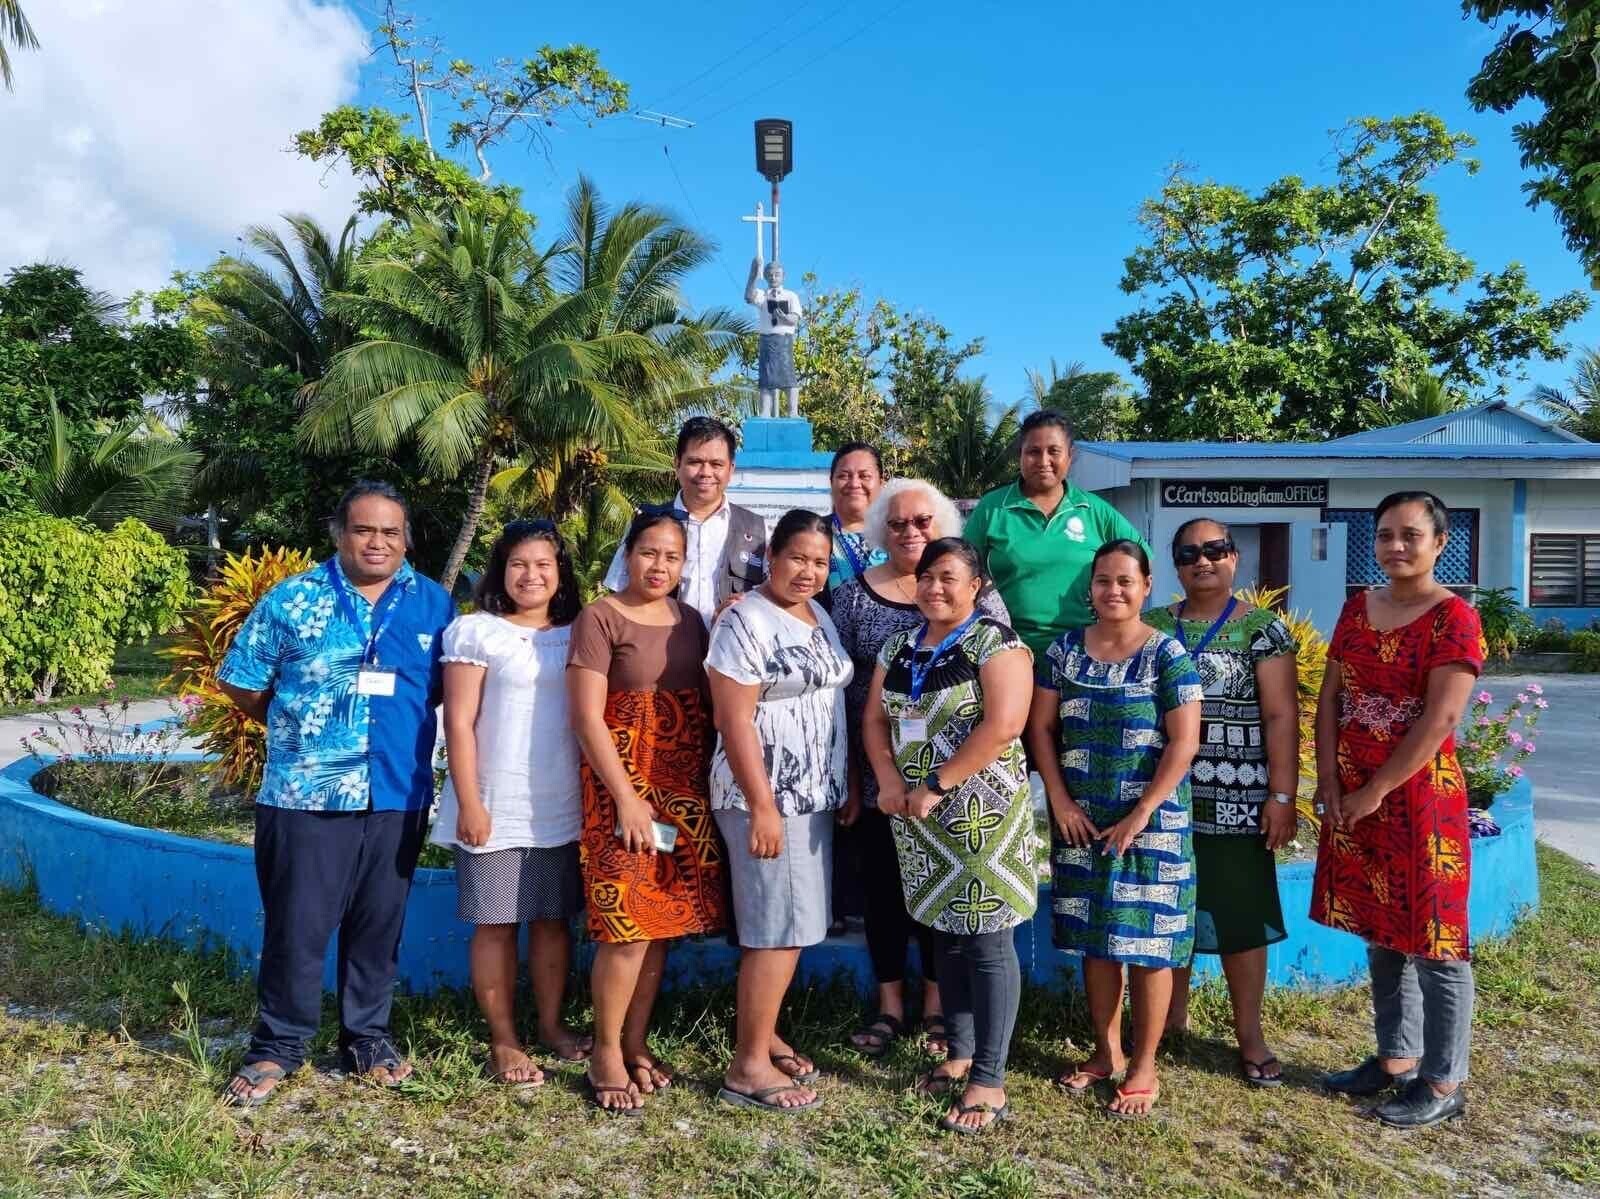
(1457, 567)
(1566, 571)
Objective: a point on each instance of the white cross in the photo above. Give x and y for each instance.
(759, 220)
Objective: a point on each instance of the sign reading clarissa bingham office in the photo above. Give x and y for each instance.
(1246, 493)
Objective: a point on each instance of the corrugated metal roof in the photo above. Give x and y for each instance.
(1493, 422)
(1130, 451)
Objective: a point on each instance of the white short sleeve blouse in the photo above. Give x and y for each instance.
(527, 755)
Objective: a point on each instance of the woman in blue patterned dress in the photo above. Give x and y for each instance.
(1114, 725)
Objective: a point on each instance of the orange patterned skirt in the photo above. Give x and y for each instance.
(663, 738)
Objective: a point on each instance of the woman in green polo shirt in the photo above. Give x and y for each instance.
(1037, 536)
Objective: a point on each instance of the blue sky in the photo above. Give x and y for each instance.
(983, 162)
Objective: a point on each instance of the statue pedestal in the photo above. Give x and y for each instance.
(776, 469)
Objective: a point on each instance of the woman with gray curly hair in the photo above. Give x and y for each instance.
(903, 519)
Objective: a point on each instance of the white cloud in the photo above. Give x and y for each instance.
(143, 129)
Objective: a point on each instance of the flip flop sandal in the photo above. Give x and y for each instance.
(1094, 1076)
(933, 1084)
(652, 1069)
(384, 1057)
(1260, 1078)
(596, 1090)
(932, 1033)
(1002, 1112)
(579, 1054)
(894, 1024)
(762, 1100)
(254, 1075)
(499, 1077)
(804, 1077)
(1154, 1093)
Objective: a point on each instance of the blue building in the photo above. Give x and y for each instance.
(1524, 498)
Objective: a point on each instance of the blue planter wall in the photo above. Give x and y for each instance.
(113, 876)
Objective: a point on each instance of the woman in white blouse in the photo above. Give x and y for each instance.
(512, 805)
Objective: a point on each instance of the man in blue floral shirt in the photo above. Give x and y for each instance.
(341, 664)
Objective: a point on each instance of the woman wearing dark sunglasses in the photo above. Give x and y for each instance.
(903, 520)
(1243, 779)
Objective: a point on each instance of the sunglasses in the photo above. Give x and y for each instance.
(899, 524)
(1213, 551)
(671, 510)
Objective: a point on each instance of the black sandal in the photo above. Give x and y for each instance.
(933, 1084)
(874, 1028)
(941, 1033)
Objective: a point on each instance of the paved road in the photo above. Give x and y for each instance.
(1565, 768)
(14, 728)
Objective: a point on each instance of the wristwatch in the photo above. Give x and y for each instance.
(932, 783)
(1280, 797)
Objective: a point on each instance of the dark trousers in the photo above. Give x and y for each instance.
(322, 872)
(848, 899)
(888, 927)
(980, 982)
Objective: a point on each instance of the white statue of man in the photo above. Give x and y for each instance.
(778, 314)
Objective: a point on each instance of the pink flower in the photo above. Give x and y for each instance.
(1541, 704)
(1522, 699)
(1515, 738)
(1484, 697)
(1514, 771)
(1484, 722)
(1535, 688)
(1528, 747)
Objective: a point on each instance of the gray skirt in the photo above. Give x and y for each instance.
(784, 902)
(514, 886)
(775, 366)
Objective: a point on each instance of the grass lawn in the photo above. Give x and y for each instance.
(107, 1080)
(136, 674)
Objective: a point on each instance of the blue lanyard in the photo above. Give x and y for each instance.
(920, 676)
(387, 603)
(842, 538)
(1216, 624)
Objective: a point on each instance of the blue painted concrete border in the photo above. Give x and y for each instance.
(114, 876)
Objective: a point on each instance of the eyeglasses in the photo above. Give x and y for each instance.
(531, 525)
(1214, 551)
(671, 510)
(899, 524)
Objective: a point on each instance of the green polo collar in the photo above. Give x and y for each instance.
(1072, 497)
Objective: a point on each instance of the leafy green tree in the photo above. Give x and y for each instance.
(139, 469)
(62, 341)
(14, 28)
(404, 171)
(1414, 397)
(470, 352)
(1547, 53)
(967, 454)
(1275, 314)
(1099, 405)
(1577, 409)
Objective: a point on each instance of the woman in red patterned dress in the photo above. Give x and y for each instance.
(651, 861)
(1392, 866)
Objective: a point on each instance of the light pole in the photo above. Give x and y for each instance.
(774, 161)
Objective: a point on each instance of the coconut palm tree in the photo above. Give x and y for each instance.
(138, 469)
(471, 353)
(967, 455)
(1418, 396)
(275, 313)
(14, 28)
(1098, 404)
(1577, 409)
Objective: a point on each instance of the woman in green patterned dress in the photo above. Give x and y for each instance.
(1114, 726)
(947, 705)
(1243, 779)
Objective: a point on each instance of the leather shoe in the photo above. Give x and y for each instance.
(1369, 1078)
(1419, 1106)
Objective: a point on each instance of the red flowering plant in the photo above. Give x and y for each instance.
(1493, 747)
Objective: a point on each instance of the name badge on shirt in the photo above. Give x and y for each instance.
(913, 728)
(375, 682)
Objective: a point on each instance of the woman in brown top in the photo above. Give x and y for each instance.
(652, 865)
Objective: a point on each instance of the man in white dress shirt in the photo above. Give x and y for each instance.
(724, 555)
